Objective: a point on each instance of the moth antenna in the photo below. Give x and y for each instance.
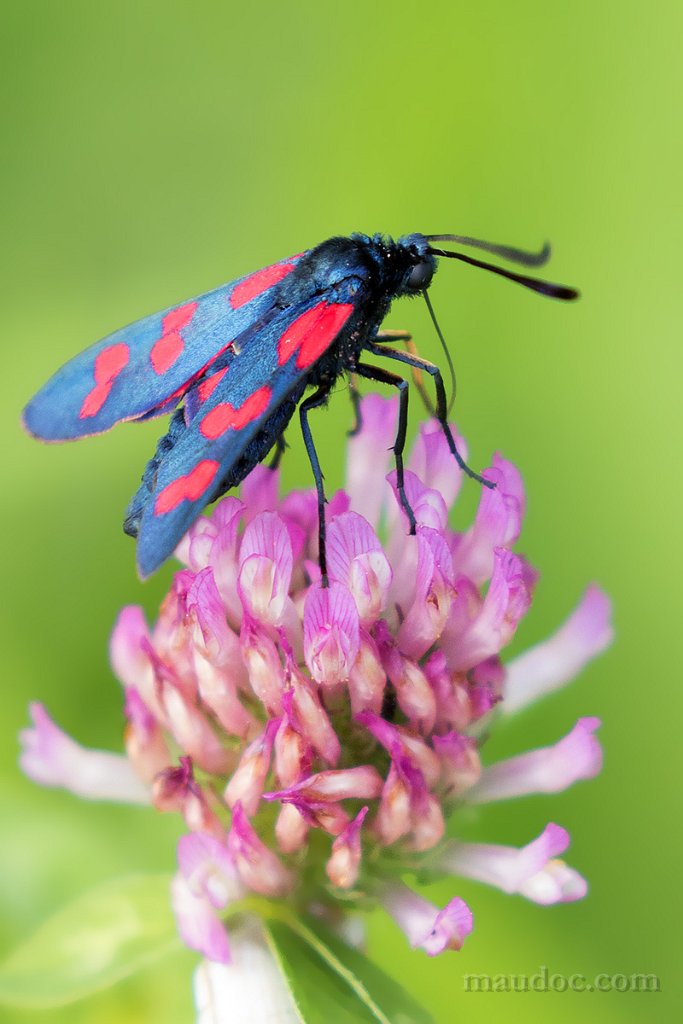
(553, 291)
(506, 252)
(451, 368)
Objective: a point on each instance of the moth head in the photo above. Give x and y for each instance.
(417, 264)
(420, 274)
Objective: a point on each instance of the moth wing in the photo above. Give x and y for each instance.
(145, 369)
(269, 371)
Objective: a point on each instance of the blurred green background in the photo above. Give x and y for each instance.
(153, 150)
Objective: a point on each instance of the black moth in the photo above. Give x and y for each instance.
(237, 362)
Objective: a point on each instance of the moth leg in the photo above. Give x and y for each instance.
(278, 451)
(385, 377)
(313, 401)
(441, 401)
(382, 337)
(355, 397)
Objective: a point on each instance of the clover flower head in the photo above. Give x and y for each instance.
(319, 741)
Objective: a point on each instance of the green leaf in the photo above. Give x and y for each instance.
(397, 1004)
(330, 981)
(104, 935)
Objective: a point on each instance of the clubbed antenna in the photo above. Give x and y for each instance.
(506, 252)
(554, 291)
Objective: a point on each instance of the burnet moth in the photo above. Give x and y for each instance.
(233, 365)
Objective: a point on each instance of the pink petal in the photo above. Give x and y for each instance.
(128, 648)
(355, 559)
(299, 510)
(485, 686)
(414, 694)
(198, 925)
(293, 754)
(551, 664)
(337, 505)
(217, 687)
(497, 523)
(344, 864)
(384, 732)
(196, 549)
(426, 617)
(291, 829)
(400, 741)
(192, 731)
(427, 504)
(451, 693)
(368, 678)
(171, 652)
(549, 770)
(459, 757)
(259, 491)
(176, 789)
(395, 816)
(51, 758)
(222, 556)
(248, 780)
(208, 868)
(450, 928)
(425, 926)
(138, 715)
(193, 550)
(146, 746)
(403, 549)
(533, 870)
(368, 456)
(211, 633)
(361, 783)
(557, 883)
(262, 659)
(432, 462)
(494, 623)
(259, 868)
(310, 718)
(428, 823)
(406, 805)
(331, 633)
(265, 571)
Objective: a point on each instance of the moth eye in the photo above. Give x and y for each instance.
(420, 276)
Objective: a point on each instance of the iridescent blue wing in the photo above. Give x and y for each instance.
(233, 417)
(146, 368)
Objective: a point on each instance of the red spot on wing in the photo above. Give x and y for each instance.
(178, 318)
(170, 345)
(313, 332)
(322, 336)
(108, 365)
(165, 351)
(188, 487)
(209, 385)
(184, 388)
(225, 417)
(258, 283)
(111, 361)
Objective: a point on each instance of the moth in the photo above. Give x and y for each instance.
(233, 365)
